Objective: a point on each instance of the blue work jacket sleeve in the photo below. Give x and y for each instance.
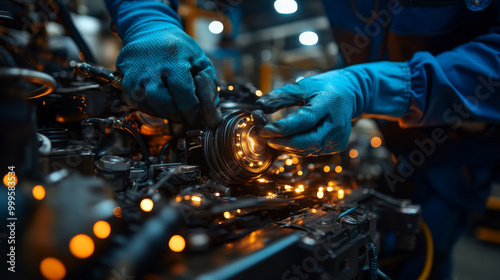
(456, 86)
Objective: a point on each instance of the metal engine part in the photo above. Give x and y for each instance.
(234, 152)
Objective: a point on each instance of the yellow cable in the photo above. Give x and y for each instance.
(429, 253)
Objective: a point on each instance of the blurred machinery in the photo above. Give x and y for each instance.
(103, 192)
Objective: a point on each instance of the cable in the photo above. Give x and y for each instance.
(373, 266)
(162, 151)
(373, 261)
(76, 89)
(48, 84)
(387, 198)
(64, 16)
(163, 180)
(346, 212)
(379, 273)
(383, 275)
(140, 142)
(123, 126)
(429, 253)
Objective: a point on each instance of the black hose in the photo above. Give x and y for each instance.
(123, 126)
(162, 151)
(379, 273)
(140, 142)
(48, 84)
(383, 275)
(64, 17)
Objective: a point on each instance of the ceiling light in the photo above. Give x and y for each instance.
(216, 27)
(308, 38)
(285, 6)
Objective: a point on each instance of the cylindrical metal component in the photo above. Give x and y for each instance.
(114, 169)
(114, 163)
(234, 152)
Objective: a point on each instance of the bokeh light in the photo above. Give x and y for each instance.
(216, 27)
(308, 38)
(376, 142)
(102, 229)
(353, 153)
(177, 243)
(38, 192)
(147, 205)
(81, 246)
(52, 269)
(341, 194)
(285, 6)
(6, 180)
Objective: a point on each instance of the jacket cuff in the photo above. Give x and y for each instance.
(418, 93)
(127, 15)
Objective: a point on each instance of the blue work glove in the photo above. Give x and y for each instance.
(166, 73)
(330, 101)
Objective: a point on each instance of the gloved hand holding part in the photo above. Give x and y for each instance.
(330, 101)
(165, 71)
